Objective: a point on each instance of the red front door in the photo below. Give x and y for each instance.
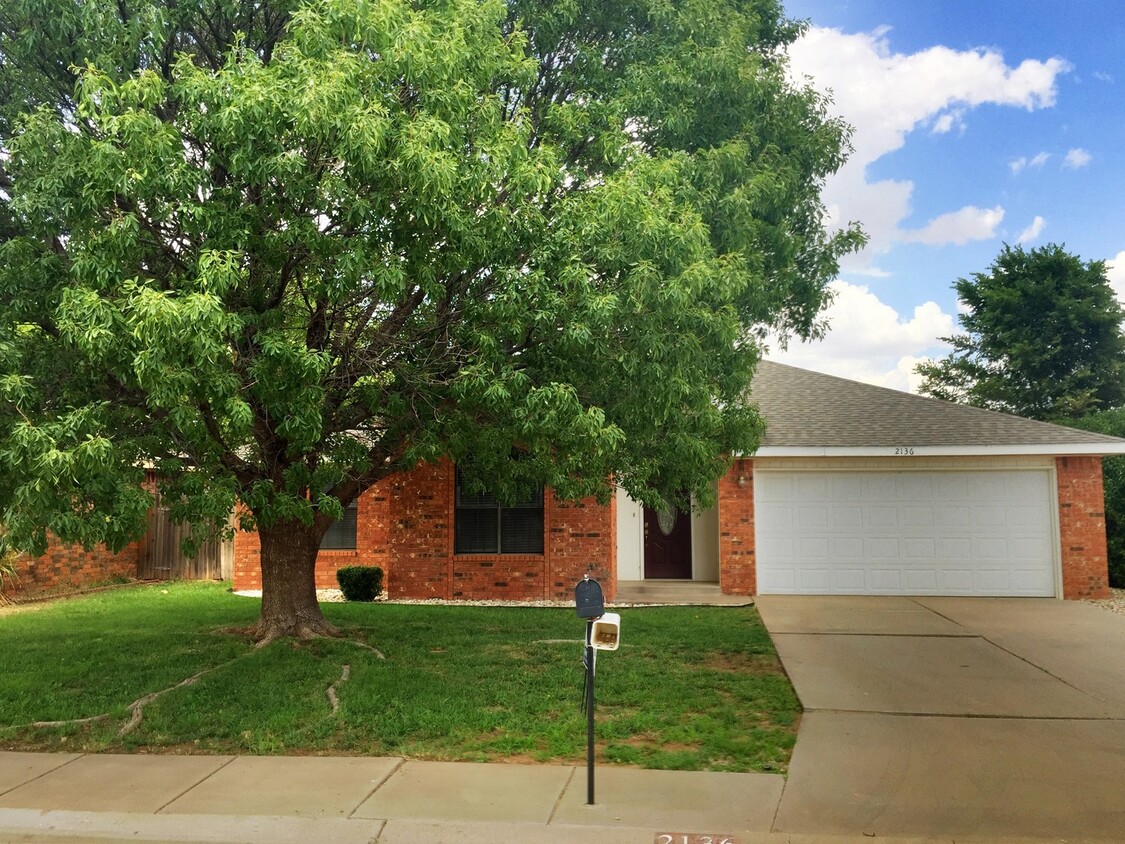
(667, 544)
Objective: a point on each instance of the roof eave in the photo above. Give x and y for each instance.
(907, 451)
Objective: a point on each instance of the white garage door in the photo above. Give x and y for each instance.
(905, 533)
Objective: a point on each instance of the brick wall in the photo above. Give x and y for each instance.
(737, 560)
(247, 560)
(1082, 527)
(421, 532)
(581, 539)
(405, 526)
(66, 568)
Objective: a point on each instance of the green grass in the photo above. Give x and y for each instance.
(693, 688)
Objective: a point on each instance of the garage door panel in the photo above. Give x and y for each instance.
(776, 547)
(846, 549)
(916, 548)
(812, 487)
(881, 516)
(884, 581)
(918, 516)
(778, 515)
(915, 532)
(988, 516)
(846, 516)
(875, 487)
(816, 581)
(846, 580)
(1029, 516)
(778, 581)
(883, 548)
(954, 581)
(813, 547)
(812, 516)
(914, 487)
(920, 581)
(951, 517)
(990, 548)
(995, 581)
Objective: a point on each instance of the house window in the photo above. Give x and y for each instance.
(340, 535)
(482, 525)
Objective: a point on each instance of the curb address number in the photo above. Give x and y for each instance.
(692, 838)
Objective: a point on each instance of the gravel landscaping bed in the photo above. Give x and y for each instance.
(1116, 603)
(335, 596)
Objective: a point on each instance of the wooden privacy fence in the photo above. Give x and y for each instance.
(162, 556)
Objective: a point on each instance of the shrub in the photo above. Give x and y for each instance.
(360, 583)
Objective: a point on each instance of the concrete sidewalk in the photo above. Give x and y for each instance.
(348, 800)
(45, 797)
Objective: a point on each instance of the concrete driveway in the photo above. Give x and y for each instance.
(982, 717)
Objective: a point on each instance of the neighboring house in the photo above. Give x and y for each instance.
(157, 556)
(855, 489)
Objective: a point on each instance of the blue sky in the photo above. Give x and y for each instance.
(975, 124)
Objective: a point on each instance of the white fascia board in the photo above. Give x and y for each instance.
(906, 450)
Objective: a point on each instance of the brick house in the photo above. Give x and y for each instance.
(855, 489)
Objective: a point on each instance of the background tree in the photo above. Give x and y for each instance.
(1043, 338)
(280, 252)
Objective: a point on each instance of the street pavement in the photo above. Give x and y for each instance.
(927, 720)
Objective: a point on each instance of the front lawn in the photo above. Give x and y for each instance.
(693, 688)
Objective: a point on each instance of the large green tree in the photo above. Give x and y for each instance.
(278, 252)
(1042, 338)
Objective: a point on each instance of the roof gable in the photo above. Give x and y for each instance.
(807, 410)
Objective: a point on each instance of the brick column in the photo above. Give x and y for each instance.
(1085, 563)
(738, 573)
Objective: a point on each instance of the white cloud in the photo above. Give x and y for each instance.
(1115, 272)
(949, 121)
(1017, 165)
(886, 95)
(1032, 231)
(870, 341)
(958, 227)
(1102, 76)
(1076, 158)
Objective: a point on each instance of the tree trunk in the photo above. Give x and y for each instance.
(289, 605)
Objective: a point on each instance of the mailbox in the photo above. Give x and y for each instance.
(588, 598)
(605, 633)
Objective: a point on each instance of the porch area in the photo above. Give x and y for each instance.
(698, 593)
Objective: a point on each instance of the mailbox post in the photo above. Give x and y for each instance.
(603, 632)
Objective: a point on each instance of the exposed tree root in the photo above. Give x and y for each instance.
(264, 632)
(378, 653)
(140, 703)
(92, 719)
(137, 706)
(304, 632)
(332, 698)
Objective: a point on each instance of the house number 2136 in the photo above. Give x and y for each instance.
(904, 451)
(687, 838)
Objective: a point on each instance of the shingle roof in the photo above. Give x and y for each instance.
(809, 410)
